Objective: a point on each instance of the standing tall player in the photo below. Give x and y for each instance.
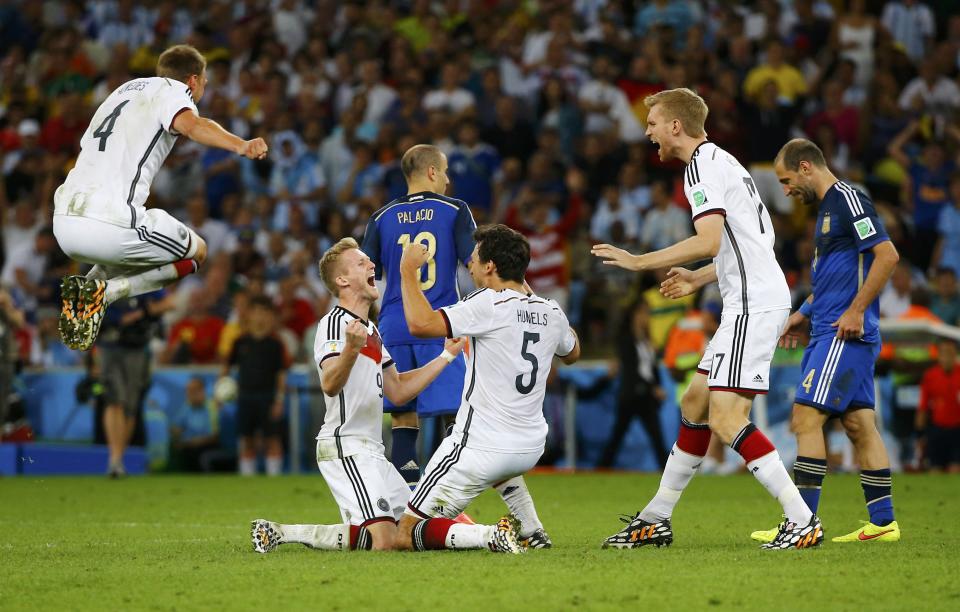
(356, 373)
(500, 431)
(99, 215)
(853, 261)
(444, 226)
(733, 228)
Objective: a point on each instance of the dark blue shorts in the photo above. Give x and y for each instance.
(443, 395)
(837, 375)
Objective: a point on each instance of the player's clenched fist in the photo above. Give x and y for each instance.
(254, 149)
(454, 345)
(414, 256)
(356, 334)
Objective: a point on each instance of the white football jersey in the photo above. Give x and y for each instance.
(513, 339)
(353, 419)
(123, 148)
(749, 276)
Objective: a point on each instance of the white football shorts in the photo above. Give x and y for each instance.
(157, 239)
(456, 475)
(739, 354)
(367, 488)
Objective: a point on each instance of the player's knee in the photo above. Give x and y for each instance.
(200, 255)
(694, 404)
(801, 423)
(858, 427)
(385, 538)
(723, 425)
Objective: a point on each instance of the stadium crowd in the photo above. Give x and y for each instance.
(538, 106)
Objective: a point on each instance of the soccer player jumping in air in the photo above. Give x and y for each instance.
(99, 216)
(734, 229)
(854, 259)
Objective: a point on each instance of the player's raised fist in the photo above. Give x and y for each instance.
(356, 334)
(254, 149)
(454, 345)
(414, 256)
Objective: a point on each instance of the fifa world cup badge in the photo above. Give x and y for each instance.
(825, 228)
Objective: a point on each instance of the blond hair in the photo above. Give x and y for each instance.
(685, 106)
(329, 261)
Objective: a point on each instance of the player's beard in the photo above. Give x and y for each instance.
(808, 195)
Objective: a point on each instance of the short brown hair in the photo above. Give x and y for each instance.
(329, 261)
(798, 150)
(418, 158)
(507, 248)
(181, 62)
(685, 106)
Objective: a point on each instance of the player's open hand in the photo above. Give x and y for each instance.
(356, 334)
(680, 282)
(849, 325)
(254, 149)
(454, 345)
(614, 256)
(790, 337)
(414, 256)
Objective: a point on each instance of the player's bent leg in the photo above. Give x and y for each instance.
(875, 478)
(810, 467)
(651, 526)
(728, 410)
(266, 535)
(516, 496)
(420, 533)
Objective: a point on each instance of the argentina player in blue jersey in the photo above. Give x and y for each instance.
(445, 226)
(853, 260)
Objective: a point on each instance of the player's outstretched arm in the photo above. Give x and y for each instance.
(885, 257)
(702, 245)
(336, 370)
(210, 133)
(401, 387)
(681, 282)
(422, 320)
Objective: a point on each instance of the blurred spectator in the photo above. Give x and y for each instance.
(769, 119)
(672, 14)
(895, 297)
(640, 391)
(945, 302)
(215, 233)
(472, 167)
(194, 428)
(938, 415)
(261, 362)
(946, 254)
(125, 364)
(297, 180)
(790, 82)
(450, 97)
(926, 193)
(11, 320)
(21, 226)
(664, 224)
(931, 92)
(911, 24)
(194, 339)
(606, 106)
(843, 118)
(24, 270)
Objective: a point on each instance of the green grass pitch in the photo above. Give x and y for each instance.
(182, 543)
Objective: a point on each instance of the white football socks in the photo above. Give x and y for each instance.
(138, 284)
(248, 467)
(274, 466)
(461, 536)
(518, 499)
(677, 474)
(322, 537)
(771, 473)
